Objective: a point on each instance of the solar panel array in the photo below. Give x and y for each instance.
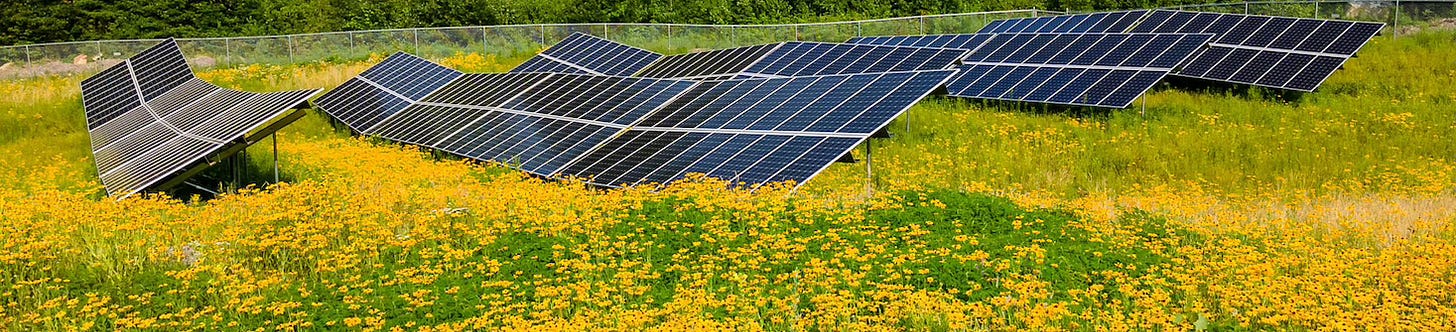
(595, 126)
(1088, 69)
(151, 120)
(582, 53)
(757, 130)
(1278, 52)
(1281, 52)
(1103, 22)
(760, 61)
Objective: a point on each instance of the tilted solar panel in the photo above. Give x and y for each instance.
(964, 41)
(801, 59)
(384, 89)
(715, 64)
(152, 122)
(811, 58)
(1103, 22)
(1087, 69)
(1280, 52)
(757, 130)
(581, 53)
(536, 122)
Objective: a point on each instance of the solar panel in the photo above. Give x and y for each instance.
(811, 58)
(1279, 52)
(1103, 22)
(962, 41)
(801, 59)
(536, 122)
(152, 122)
(1087, 69)
(756, 131)
(384, 89)
(581, 53)
(710, 64)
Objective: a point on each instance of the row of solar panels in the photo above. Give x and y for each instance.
(619, 115)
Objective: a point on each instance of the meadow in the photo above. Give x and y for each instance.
(1216, 207)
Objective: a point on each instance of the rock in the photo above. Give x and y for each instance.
(80, 59)
(7, 66)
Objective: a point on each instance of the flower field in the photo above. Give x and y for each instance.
(1214, 209)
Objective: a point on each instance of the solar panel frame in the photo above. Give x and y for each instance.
(174, 123)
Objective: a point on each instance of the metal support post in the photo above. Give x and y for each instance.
(275, 158)
(869, 168)
(290, 50)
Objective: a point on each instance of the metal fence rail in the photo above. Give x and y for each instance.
(512, 41)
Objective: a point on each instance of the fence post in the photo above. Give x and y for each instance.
(98, 50)
(417, 41)
(733, 35)
(1246, 8)
(484, 40)
(796, 33)
(1396, 21)
(27, 55)
(669, 38)
(921, 27)
(290, 50)
(1316, 8)
(543, 35)
(859, 29)
(227, 51)
(351, 43)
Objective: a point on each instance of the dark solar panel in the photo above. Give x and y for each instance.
(1103, 22)
(1280, 52)
(758, 130)
(382, 90)
(581, 53)
(709, 64)
(151, 120)
(1088, 69)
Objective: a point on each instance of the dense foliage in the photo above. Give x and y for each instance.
(39, 21)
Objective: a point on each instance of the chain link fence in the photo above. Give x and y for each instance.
(518, 41)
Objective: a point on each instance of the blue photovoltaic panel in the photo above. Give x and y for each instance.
(757, 131)
(1104, 22)
(151, 121)
(586, 54)
(544, 65)
(964, 41)
(534, 121)
(1280, 52)
(384, 89)
(1103, 70)
(809, 58)
(708, 64)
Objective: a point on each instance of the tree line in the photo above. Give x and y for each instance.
(40, 21)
